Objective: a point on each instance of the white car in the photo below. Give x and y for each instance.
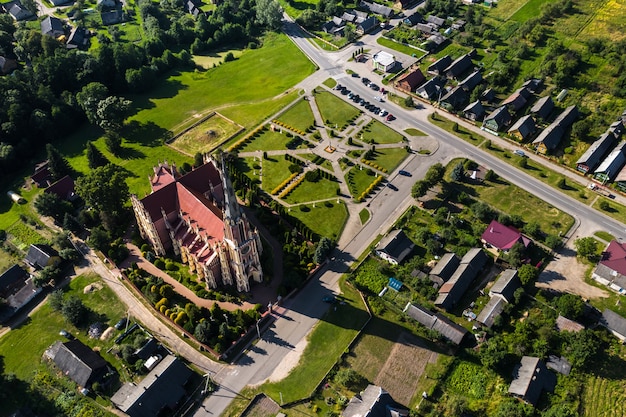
(384, 112)
(377, 98)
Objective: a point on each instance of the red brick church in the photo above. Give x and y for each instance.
(197, 216)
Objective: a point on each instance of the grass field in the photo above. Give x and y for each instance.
(527, 11)
(414, 132)
(334, 331)
(309, 191)
(604, 397)
(378, 133)
(358, 180)
(215, 58)
(206, 135)
(267, 141)
(364, 215)
(389, 158)
(322, 219)
(335, 111)
(299, 116)
(275, 171)
(399, 47)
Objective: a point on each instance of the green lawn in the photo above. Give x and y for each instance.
(414, 132)
(399, 47)
(376, 132)
(215, 58)
(335, 111)
(389, 158)
(330, 82)
(527, 11)
(325, 219)
(250, 166)
(309, 191)
(206, 135)
(275, 171)
(267, 141)
(23, 346)
(299, 116)
(615, 210)
(334, 332)
(358, 180)
(277, 66)
(364, 215)
(311, 157)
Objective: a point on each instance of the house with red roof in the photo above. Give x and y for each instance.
(611, 270)
(500, 238)
(197, 216)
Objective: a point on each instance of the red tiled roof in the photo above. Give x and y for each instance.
(161, 178)
(503, 237)
(414, 79)
(165, 198)
(614, 257)
(203, 213)
(42, 176)
(199, 179)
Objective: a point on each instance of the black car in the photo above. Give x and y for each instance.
(405, 173)
(365, 81)
(345, 91)
(393, 187)
(374, 87)
(120, 324)
(362, 102)
(339, 87)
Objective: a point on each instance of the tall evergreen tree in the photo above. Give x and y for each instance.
(57, 164)
(95, 158)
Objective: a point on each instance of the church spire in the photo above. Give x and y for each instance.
(231, 206)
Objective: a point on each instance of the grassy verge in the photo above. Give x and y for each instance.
(613, 209)
(330, 82)
(267, 141)
(325, 219)
(389, 158)
(396, 46)
(275, 171)
(414, 132)
(358, 179)
(604, 235)
(312, 191)
(364, 215)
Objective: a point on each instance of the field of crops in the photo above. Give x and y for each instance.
(604, 397)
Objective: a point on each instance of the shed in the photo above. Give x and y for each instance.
(459, 66)
(472, 80)
(563, 324)
(530, 378)
(506, 285)
(446, 266)
(438, 67)
(615, 323)
(491, 310)
(78, 362)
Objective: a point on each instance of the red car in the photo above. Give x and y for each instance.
(390, 117)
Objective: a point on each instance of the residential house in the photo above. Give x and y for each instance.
(52, 26)
(335, 26)
(40, 256)
(506, 285)
(438, 322)
(42, 176)
(617, 128)
(523, 128)
(497, 119)
(458, 67)
(454, 99)
(563, 324)
(424, 28)
(615, 323)
(112, 17)
(19, 12)
(383, 61)
(348, 16)
(197, 216)
(488, 95)
(548, 139)
(444, 268)
(63, 188)
(458, 24)
(517, 100)
(7, 65)
(437, 21)
(491, 310)
(57, 3)
(438, 67)
(413, 19)
(373, 402)
(542, 108)
(533, 85)
(434, 41)
(611, 270)
(620, 179)
(394, 247)
(376, 8)
(596, 152)
(77, 38)
(474, 111)
(530, 378)
(567, 117)
(159, 393)
(366, 25)
(78, 362)
(451, 292)
(472, 80)
(500, 238)
(192, 8)
(410, 81)
(431, 89)
(17, 289)
(612, 164)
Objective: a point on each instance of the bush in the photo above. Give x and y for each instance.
(159, 263)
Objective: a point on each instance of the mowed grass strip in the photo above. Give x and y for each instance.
(379, 133)
(334, 332)
(528, 10)
(335, 111)
(389, 158)
(299, 116)
(307, 191)
(325, 219)
(397, 46)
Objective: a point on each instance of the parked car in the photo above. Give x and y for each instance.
(405, 173)
(374, 87)
(338, 87)
(391, 117)
(355, 75)
(393, 187)
(120, 324)
(384, 112)
(377, 98)
(365, 81)
(520, 153)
